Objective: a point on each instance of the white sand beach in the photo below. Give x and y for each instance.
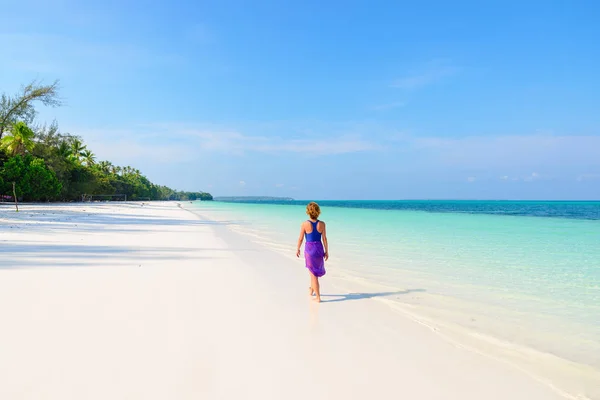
(123, 301)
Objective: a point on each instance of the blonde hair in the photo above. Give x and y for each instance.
(313, 210)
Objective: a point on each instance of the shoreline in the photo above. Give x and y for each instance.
(123, 301)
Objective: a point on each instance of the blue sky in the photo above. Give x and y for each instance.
(325, 100)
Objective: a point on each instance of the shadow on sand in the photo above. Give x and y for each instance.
(360, 296)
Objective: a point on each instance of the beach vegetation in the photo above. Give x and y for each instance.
(20, 107)
(19, 140)
(44, 164)
(34, 181)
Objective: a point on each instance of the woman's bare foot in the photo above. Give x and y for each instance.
(311, 292)
(317, 299)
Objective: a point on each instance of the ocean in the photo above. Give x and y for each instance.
(524, 274)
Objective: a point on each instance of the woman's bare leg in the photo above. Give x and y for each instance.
(316, 287)
(311, 291)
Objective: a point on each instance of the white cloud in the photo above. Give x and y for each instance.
(234, 142)
(428, 74)
(534, 176)
(471, 179)
(517, 151)
(127, 151)
(242, 183)
(519, 157)
(171, 143)
(279, 185)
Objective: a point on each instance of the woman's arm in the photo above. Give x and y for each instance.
(300, 240)
(325, 243)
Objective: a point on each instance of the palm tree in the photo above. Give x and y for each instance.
(64, 149)
(105, 166)
(77, 148)
(19, 140)
(88, 157)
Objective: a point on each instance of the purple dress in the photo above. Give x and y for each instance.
(313, 252)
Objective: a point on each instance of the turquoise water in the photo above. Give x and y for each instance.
(560, 209)
(524, 272)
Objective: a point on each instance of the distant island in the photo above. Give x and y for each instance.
(252, 198)
(39, 163)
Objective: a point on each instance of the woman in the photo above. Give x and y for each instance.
(316, 249)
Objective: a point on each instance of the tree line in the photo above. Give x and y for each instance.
(39, 163)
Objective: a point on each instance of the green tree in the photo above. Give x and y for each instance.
(34, 181)
(3, 184)
(105, 167)
(55, 150)
(19, 140)
(48, 135)
(64, 149)
(77, 149)
(3, 157)
(20, 106)
(13, 170)
(41, 182)
(88, 157)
